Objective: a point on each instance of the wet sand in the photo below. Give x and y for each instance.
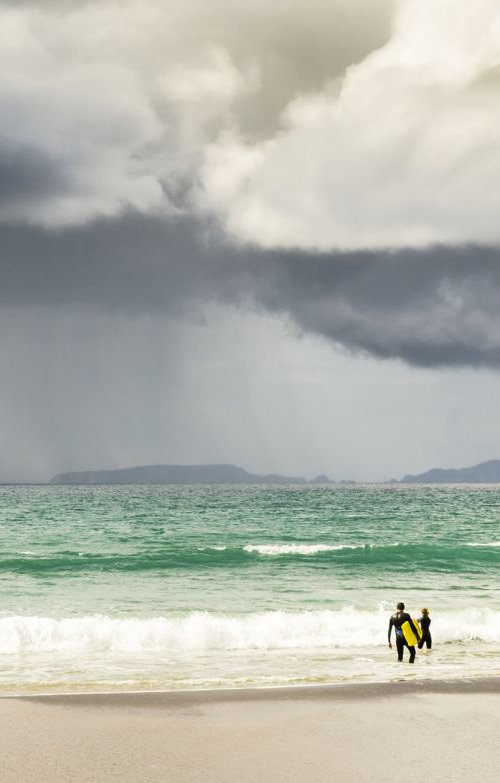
(438, 731)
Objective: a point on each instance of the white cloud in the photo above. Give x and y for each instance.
(86, 117)
(293, 125)
(406, 154)
(117, 102)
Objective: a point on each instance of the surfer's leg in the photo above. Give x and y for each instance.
(412, 654)
(400, 647)
(421, 643)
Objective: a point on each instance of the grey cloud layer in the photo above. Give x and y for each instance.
(430, 308)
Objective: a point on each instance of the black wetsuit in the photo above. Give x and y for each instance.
(396, 621)
(424, 623)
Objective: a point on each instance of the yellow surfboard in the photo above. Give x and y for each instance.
(410, 638)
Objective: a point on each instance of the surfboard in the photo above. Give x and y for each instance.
(410, 638)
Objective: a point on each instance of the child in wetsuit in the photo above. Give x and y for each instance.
(424, 623)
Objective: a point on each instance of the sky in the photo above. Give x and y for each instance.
(255, 233)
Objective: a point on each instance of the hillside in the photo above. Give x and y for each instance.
(484, 473)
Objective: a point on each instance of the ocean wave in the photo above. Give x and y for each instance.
(438, 556)
(204, 632)
(483, 543)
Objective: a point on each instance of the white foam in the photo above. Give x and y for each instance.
(309, 549)
(206, 632)
(211, 548)
(479, 543)
(296, 549)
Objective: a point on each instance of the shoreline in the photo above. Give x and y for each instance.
(329, 691)
(438, 730)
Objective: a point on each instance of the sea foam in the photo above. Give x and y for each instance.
(205, 632)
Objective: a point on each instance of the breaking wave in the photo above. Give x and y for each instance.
(204, 632)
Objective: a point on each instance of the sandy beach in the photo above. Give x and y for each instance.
(446, 731)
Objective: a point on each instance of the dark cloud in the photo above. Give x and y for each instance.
(433, 308)
(26, 175)
(135, 265)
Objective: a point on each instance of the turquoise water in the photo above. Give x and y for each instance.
(181, 587)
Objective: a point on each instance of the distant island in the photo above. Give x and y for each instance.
(175, 474)
(484, 473)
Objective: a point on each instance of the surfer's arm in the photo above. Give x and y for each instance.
(391, 623)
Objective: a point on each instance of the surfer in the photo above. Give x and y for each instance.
(398, 619)
(424, 623)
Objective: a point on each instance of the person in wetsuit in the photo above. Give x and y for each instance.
(424, 623)
(397, 619)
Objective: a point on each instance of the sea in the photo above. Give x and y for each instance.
(108, 588)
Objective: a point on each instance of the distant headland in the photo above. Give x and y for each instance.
(484, 473)
(176, 474)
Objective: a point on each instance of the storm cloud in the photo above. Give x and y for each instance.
(163, 157)
(437, 307)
